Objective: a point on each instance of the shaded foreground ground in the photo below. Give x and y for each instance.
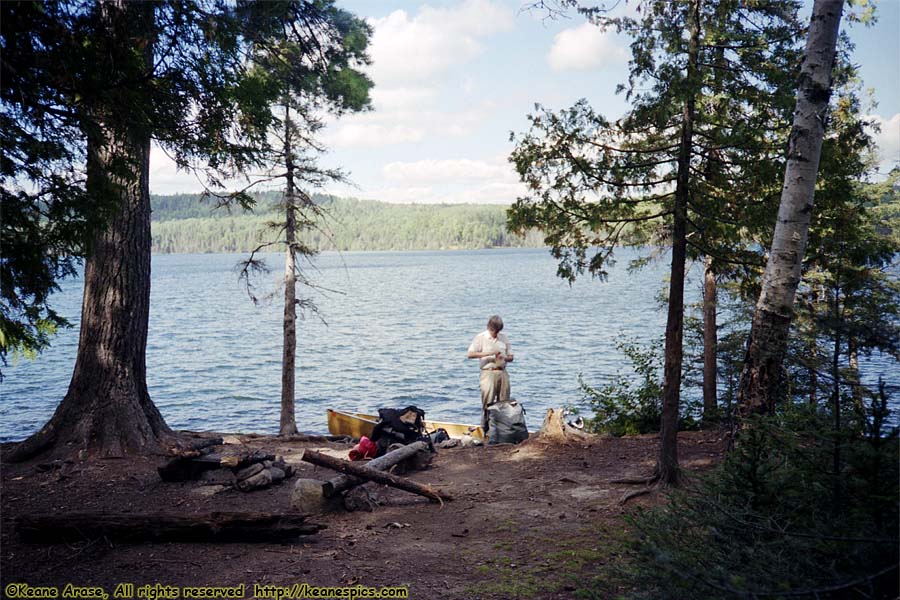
(534, 520)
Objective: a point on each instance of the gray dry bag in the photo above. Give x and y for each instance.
(506, 423)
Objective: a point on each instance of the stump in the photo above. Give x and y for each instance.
(555, 429)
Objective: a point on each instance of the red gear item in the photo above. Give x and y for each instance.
(366, 448)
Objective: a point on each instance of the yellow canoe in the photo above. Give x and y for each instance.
(359, 424)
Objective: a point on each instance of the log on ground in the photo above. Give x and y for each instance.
(163, 527)
(338, 484)
(367, 473)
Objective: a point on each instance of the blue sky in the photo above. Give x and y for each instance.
(454, 78)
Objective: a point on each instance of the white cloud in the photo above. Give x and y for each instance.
(486, 193)
(584, 48)
(408, 121)
(449, 181)
(367, 133)
(165, 178)
(401, 97)
(446, 171)
(888, 140)
(406, 48)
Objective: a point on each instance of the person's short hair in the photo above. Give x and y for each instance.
(495, 323)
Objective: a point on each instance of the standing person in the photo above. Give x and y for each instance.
(494, 352)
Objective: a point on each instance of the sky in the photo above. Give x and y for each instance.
(454, 78)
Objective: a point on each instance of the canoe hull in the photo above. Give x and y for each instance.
(360, 424)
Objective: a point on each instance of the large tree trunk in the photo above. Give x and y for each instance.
(667, 463)
(710, 343)
(107, 410)
(760, 379)
(288, 425)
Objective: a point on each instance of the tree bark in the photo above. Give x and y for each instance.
(338, 484)
(853, 363)
(348, 468)
(161, 527)
(710, 343)
(107, 410)
(761, 375)
(288, 424)
(813, 374)
(667, 463)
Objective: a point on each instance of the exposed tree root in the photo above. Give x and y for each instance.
(637, 480)
(651, 484)
(84, 426)
(647, 490)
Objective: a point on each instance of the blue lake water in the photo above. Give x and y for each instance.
(396, 334)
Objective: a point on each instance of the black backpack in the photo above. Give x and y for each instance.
(398, 425)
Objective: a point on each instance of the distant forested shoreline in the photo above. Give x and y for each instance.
(183, 223)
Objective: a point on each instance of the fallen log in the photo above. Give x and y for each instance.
(162, 527)
(370, 474)
(195, 448)
(316, 439)
(336, 485)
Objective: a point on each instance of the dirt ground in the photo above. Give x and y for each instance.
(529, 521)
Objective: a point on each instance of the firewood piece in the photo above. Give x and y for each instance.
(338, 484)
(368, 473)
(186, 468)
(193, 449)
(276, 474)
(162, 527)
(248, 472)
(262, 479)
(242, 460)
(217, 477)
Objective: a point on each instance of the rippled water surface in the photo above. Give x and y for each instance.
(396, 334)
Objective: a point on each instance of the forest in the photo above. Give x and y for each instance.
(183, 223)
(751, 452)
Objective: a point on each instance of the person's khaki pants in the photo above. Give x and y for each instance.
(494, 388)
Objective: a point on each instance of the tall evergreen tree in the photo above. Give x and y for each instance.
(130, 72)
(707, 84)
(308, 89)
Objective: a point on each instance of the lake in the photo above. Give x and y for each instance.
(395, 332)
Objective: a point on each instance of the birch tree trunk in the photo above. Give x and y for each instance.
(107, 409)
(710, 342)
(288, 424)
(761, 375)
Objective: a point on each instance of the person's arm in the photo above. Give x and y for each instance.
(475, 348)
(509, 353)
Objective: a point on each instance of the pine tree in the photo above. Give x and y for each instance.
(309, 86)
(128, 73)
(688, 166)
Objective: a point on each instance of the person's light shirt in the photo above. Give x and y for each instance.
(483, 342)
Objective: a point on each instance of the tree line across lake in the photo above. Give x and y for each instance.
(182, 223)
